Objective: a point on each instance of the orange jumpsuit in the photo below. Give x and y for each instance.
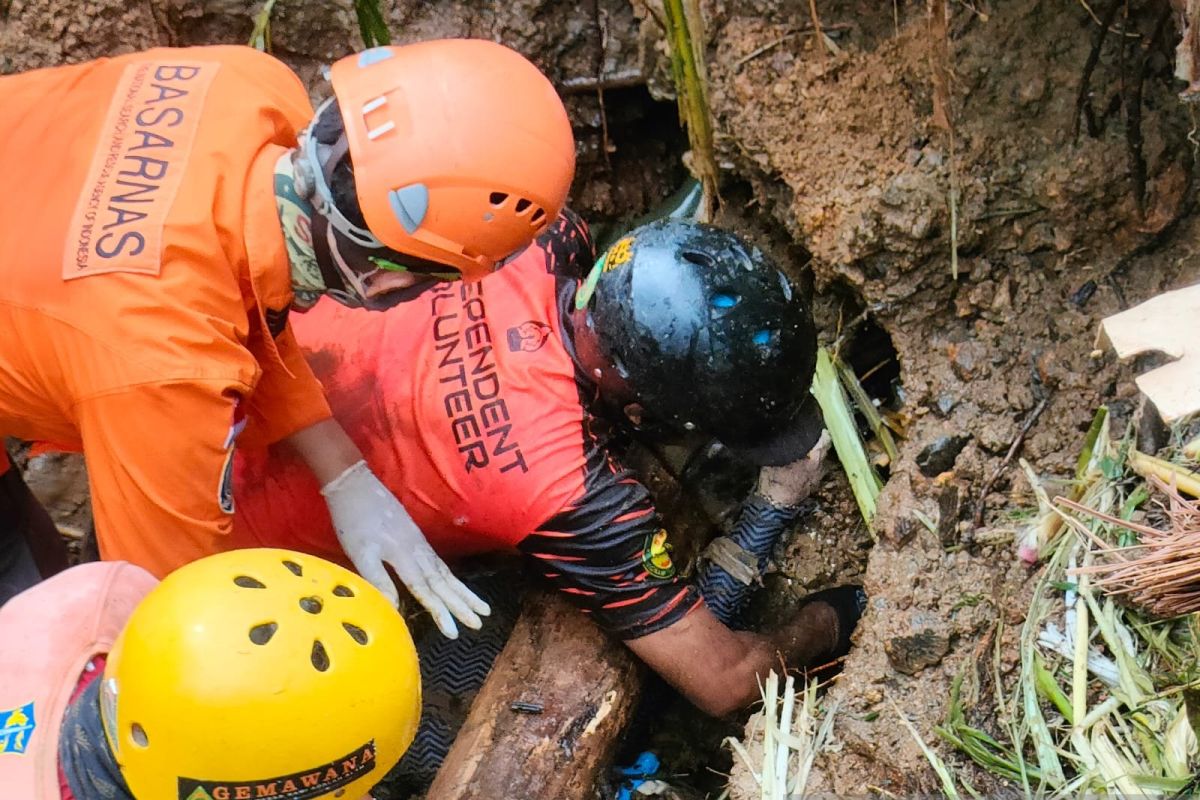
(144, 283)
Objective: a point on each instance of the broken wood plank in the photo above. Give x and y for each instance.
(1168, 324)
(581, 687)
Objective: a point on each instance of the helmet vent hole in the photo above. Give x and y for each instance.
(497, 198)
(722, 301)
(356, 633)
(246, 582)
(523, 204)
(138, 734)
(261, 634)
(320, 659)
(763, 338)
(698, 258)
(294, 568)
(343, 591)
(538, 216)
(312, 605)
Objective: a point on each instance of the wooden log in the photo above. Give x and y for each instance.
(586, 685)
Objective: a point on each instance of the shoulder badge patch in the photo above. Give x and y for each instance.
(16, 729)
(656, 556)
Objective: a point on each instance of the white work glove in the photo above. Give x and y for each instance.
(790, 484)
(374, 530)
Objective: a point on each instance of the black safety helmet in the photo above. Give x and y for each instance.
(701, 330)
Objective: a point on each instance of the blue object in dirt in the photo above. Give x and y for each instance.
(645, 767)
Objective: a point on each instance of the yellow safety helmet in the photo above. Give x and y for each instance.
(260, 673)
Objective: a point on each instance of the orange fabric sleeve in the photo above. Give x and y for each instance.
(283, 404)
(159, 459)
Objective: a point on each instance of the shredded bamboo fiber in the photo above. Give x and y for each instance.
(1162, 572)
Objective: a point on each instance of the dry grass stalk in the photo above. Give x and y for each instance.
(942, 72)
(794, 730)
(820, 35)
(1162, 572)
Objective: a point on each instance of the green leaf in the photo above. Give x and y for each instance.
(371, 23)
(1111, 469)
(839, 421)
(865, 407)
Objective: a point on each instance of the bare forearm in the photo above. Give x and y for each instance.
(719, 669)
(326, 449)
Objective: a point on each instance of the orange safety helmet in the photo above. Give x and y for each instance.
(460, 150)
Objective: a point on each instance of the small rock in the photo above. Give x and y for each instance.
(949, 506)
(1063, 239)
(1032, 90)
(968, 360)
(945, 403)
(1003, 297)
(982, 293)
(938, 456)
(995, 435)
(1040, 236)
(962, 306)
(1080, 296)
(911, 654)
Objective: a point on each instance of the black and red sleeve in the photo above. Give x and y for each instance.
(609, 554)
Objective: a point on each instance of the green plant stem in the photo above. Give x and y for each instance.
(371, 23)
(839, 421)
(692, 92)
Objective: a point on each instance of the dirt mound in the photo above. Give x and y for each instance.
(841, 151)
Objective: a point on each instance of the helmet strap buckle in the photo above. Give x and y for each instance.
(311, 179)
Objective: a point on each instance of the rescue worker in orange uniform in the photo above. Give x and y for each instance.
(490, 409)
(176, 204)
(250, 674)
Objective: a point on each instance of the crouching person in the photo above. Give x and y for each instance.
(248, 674)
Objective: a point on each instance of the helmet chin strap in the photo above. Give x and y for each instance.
(345, 284)
(332, 232)
(340, 281)
(317, 162)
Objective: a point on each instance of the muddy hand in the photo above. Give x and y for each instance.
(375, 530)
(790, 484)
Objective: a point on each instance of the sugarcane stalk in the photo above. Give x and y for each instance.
(1147, 465)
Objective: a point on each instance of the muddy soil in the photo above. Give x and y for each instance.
(832, 157)
(841, 151)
